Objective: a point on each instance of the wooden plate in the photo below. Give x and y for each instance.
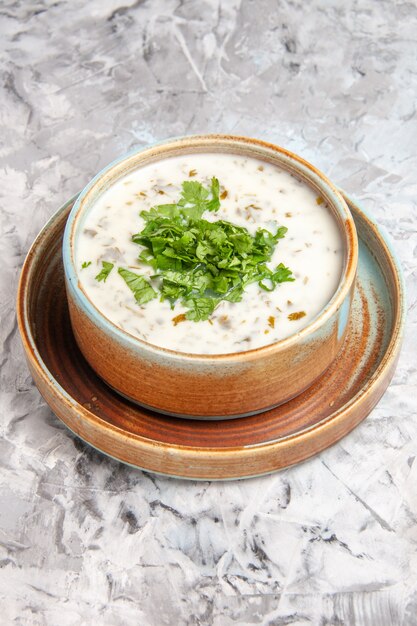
(237, 448)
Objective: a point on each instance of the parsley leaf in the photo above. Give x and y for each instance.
(85, 264)
(195, 199)
(140, 287)
(200, 309)
(105, 271)
(201, 263)
(282, 274)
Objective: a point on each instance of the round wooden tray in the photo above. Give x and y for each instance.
(237, 448)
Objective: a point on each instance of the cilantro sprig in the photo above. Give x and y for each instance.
(200, 263)
(105, 271)
(141, 288)
(196, 261)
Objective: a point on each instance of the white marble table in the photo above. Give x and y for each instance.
(85, 540)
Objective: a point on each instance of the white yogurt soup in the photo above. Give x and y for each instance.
(253, 194)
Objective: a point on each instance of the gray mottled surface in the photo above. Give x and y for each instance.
(86, 540)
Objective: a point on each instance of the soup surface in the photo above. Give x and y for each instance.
(254, 194)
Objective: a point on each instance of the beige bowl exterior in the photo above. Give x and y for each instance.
(211, 386)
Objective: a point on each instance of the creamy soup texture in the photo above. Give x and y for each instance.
(259, 195)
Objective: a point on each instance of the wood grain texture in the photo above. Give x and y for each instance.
(250, 446)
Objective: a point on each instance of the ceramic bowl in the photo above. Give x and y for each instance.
(211, 386)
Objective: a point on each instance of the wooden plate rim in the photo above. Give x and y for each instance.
(208, 458)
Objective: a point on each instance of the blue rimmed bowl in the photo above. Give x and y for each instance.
(222, 385)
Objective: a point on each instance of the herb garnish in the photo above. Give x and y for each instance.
(199, 262)
(105, 271)
(141, 288)
(85, 264)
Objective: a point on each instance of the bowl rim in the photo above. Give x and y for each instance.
(208, 143)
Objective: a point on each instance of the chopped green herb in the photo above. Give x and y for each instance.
(201, 263)
(197, 262)
(105, 271)
(85, 264)
(200, 308)
(140, 287)
(195, 198)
